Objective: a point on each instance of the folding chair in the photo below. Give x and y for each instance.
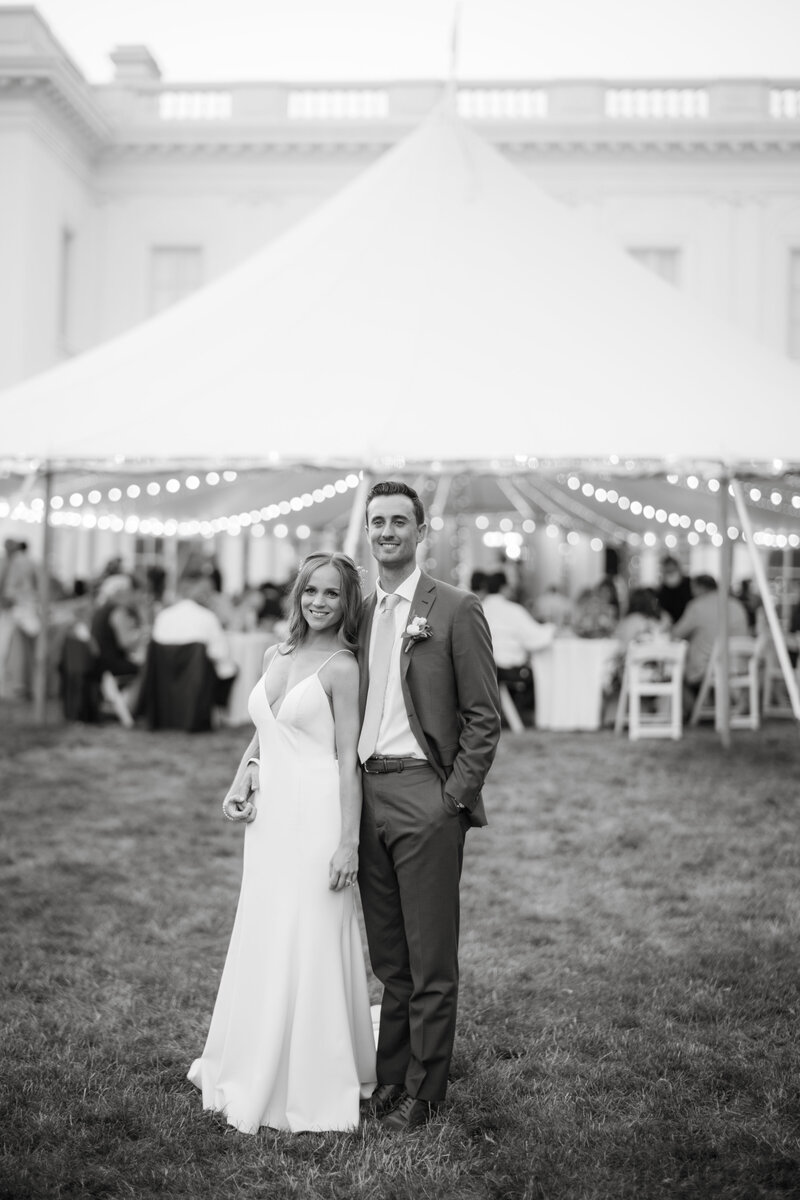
(775, 700)
(743, 660)
(651, 697)
(510, 711)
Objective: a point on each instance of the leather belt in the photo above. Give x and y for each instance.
(382, 764)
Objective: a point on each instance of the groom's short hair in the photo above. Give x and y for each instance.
(394, 487)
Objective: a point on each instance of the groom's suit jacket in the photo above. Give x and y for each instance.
(449, 683)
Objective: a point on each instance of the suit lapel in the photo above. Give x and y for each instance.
(421, 605)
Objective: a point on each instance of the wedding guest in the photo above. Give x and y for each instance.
(596, 611)
(430, 727)
(793, 638)
(477, 584)
(553, 607)
(271, 614)
(190, 618)
(291, 1044)
(750, 601)
(117, 634)
(675, 590)
(20, 626)
(643, 620)
(699, 626)
(515, 637)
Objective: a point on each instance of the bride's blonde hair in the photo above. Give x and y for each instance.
(350, 581)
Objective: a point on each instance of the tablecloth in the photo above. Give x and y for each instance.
(568, 680)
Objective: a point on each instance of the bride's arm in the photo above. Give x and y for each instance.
(343, 677)
(245, 780)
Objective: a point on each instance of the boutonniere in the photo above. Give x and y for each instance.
(417, 630)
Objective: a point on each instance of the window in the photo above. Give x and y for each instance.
(793, 323)
(664, 261)
(175, 272)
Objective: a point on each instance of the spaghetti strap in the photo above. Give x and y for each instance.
(330, 656)
(272, 658)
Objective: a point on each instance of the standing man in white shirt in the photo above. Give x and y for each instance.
(430, 727)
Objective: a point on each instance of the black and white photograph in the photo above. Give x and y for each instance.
(400, 599)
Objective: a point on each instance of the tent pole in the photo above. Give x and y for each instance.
(786, 575)
(356, 521)
(43, 640)
(723, 698)
(766, 599)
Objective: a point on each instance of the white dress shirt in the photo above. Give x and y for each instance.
(394, 734)
(515, 634)
(187, 621)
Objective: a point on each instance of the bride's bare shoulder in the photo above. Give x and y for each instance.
(342, 666)
(270, 653)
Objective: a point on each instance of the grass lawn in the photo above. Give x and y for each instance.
(630, 985)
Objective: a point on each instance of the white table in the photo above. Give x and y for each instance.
(247, 651)
(568, 680)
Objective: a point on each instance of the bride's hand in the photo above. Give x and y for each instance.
(343, 871)
(238, 808)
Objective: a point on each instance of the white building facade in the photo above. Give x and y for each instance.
(118, 199)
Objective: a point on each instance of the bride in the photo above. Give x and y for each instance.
(291, 1043)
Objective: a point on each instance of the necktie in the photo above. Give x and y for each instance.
(383, 638)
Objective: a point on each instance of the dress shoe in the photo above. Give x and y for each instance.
(385, 1097)
(410, 1113)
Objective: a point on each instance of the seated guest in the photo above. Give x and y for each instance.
(596, 611)
(477, 584)
(191, 619)
(553, 607)
(116, 634)
(643, 622)
(515, 636)
(271, 615)
(750, 601)
(699, 626)
(675, 591)
(793, 639)
(643, 619)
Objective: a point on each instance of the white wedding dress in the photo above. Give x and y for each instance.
(291, 1041)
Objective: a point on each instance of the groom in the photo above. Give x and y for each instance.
(430, 726)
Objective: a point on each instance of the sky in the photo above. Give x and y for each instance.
(232, 40)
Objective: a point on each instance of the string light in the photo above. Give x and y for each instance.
(158, 527)
(766, 537)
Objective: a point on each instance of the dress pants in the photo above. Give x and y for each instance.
(410, 858)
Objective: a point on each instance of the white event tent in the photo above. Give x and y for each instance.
(440, 311)
(441, 307)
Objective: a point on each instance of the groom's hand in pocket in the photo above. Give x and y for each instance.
(450, 805)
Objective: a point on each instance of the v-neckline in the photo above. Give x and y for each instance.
(288, 692)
